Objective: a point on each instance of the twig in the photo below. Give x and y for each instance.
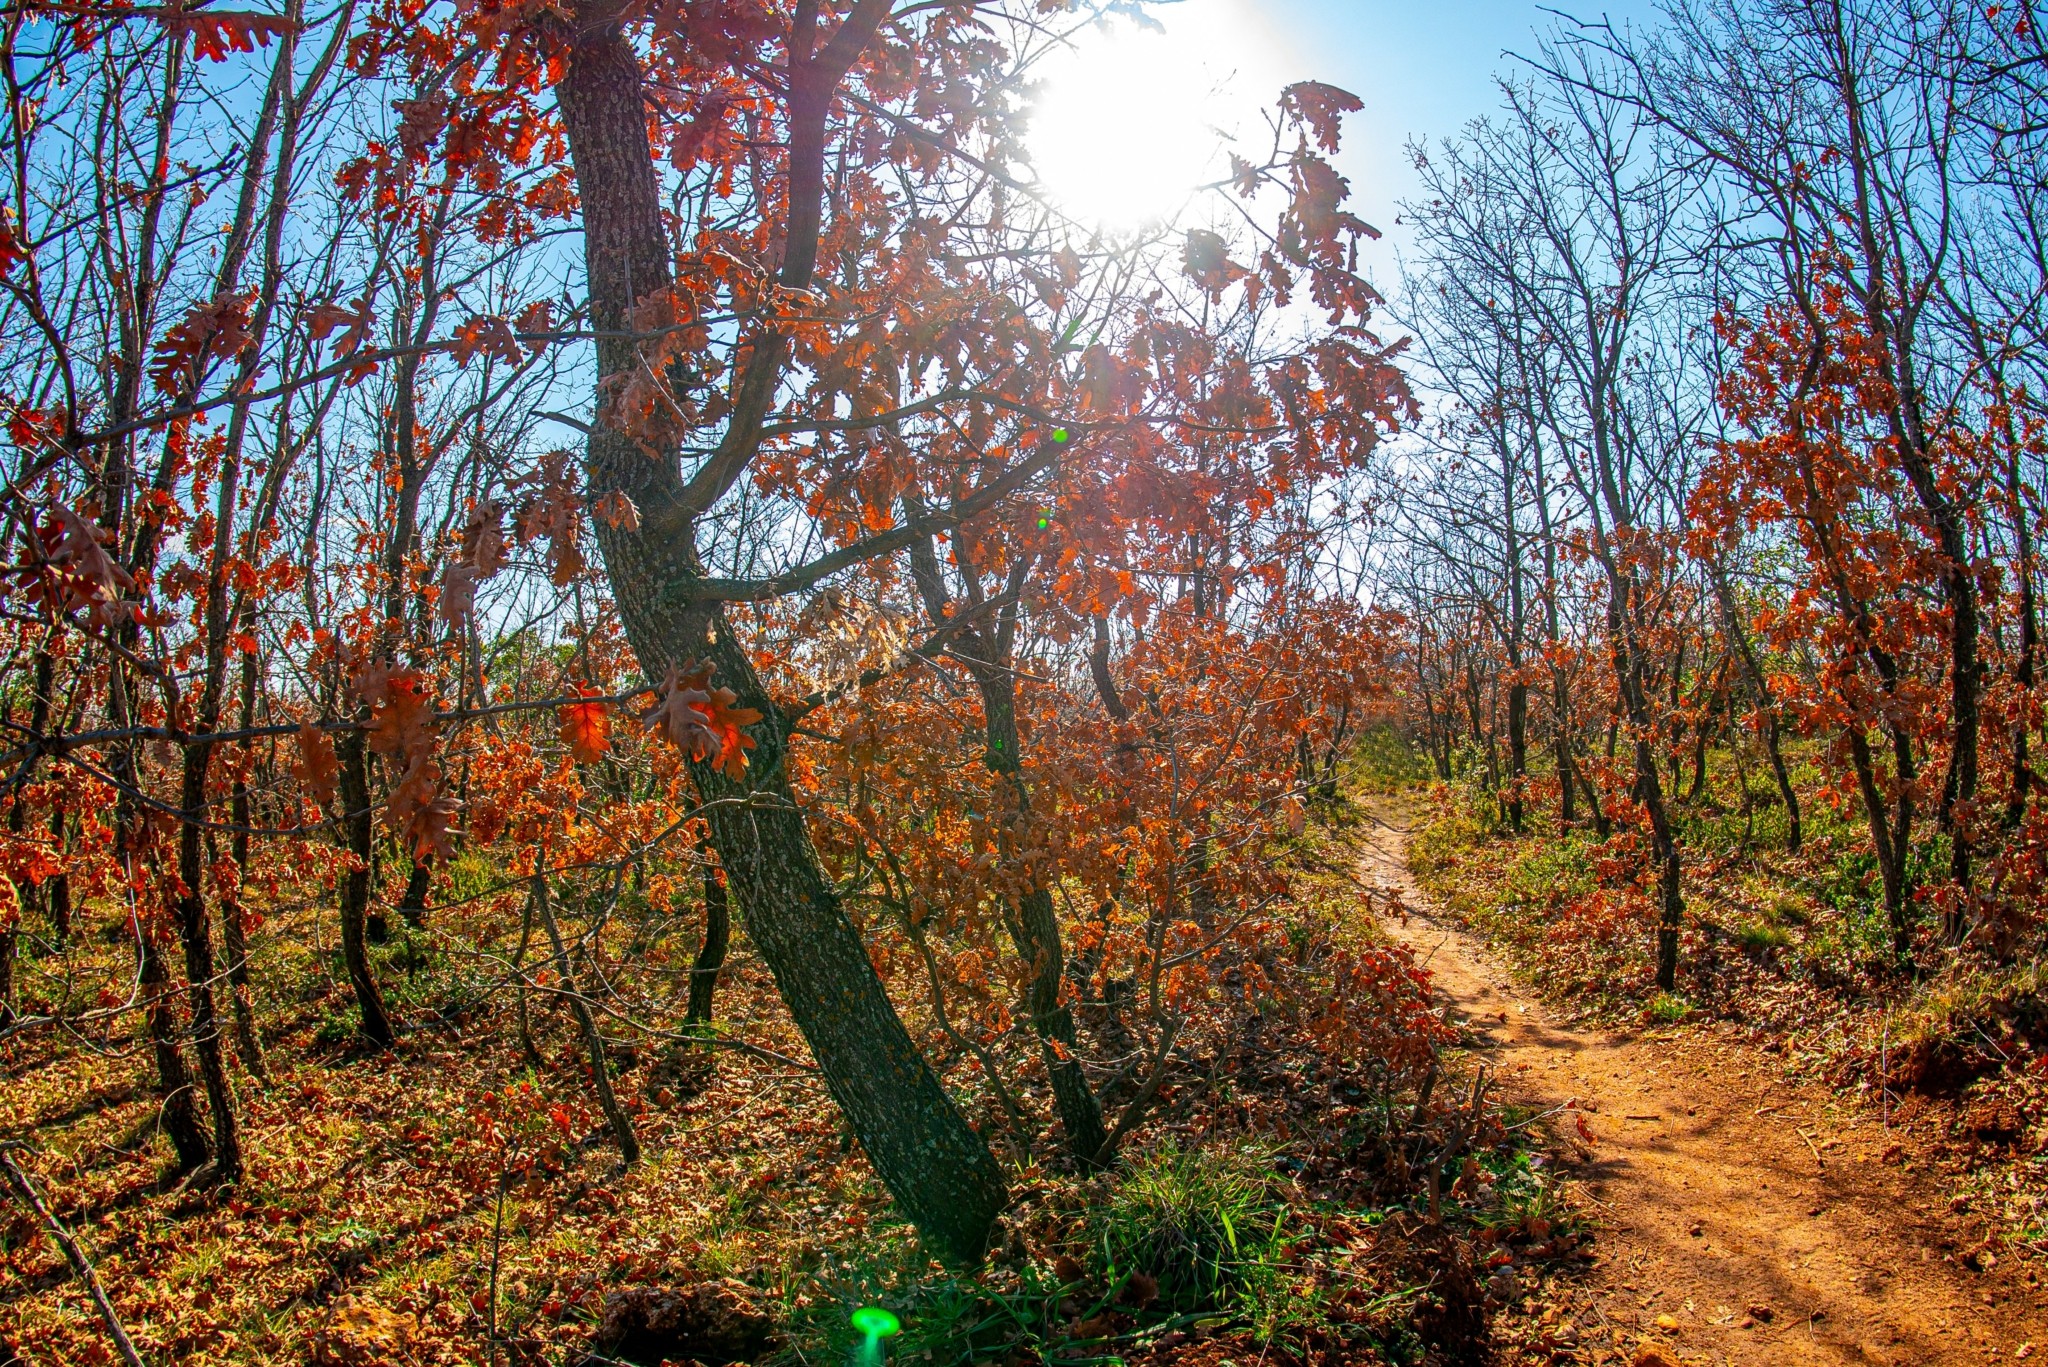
(1816, 1152)
(25, 1191)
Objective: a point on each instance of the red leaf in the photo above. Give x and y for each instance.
(484, 335)
(216, 33)
(1319, 106)
(207, 332)
(354, 322)
(618, 511)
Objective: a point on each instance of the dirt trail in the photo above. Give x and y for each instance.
(1761, 1222)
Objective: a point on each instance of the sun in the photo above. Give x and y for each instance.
(1131, 118)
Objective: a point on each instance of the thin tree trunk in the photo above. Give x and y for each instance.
(234, 930)
(178, 1111)
(593, 1042)
(413, 904)
(355, 890)
(1628, 670)
(195, 931)
(711, 953)
(1034, 928)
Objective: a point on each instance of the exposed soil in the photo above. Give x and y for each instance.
(1741, 1218)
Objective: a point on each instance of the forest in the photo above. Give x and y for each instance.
(655, 711)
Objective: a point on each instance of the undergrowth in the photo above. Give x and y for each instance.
(457, 1198)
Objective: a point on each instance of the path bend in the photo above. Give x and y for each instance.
(1741, 1219)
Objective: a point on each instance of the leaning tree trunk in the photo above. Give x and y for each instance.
(936, 1166)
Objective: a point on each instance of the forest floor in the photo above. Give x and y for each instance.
(1742, 1217)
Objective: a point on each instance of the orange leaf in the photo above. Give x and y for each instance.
(586, 728)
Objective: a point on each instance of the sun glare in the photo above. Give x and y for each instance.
(1132, 118)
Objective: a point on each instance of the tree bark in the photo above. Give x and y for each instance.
(178, 1112)
(1034, 928)
(413, 905)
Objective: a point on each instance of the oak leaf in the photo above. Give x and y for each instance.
(457, 603)
(353, 322)
(484, 335)
(421, 814)
(207, 332)
(1206, 260)
(586, 728)
(1320, 107)
(73, 570)
(483, 539)
(402, 713)
(217, 33)
(618, 511)
(702, 720)
(315, 765)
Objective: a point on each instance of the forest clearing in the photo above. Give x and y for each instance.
(769, 683)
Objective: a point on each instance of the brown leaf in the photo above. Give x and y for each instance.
(1320, 107)
(618, 511)
(315, 765)
(457, 603)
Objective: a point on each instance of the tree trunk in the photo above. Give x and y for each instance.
(586, 1023)
(1763, 700)
(1035, 930)
(938, 1168)
(355, 890)
(413, 905)
(195, 931)
(1628, 672)
(10, 935)
(1890, 838)
(234, 930)
(58, 905)
(1518, 747)
(178, 1112)
(711, 953)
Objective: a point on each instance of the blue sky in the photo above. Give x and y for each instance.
(1421, 68)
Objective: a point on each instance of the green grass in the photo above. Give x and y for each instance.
(1667, 1008)
(1383, 760)
(1194, 1220)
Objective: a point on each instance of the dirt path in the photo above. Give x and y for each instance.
(1741, 1219)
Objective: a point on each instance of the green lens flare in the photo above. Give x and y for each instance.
(876, 1322)
(1043, 523)
(1059, 434)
